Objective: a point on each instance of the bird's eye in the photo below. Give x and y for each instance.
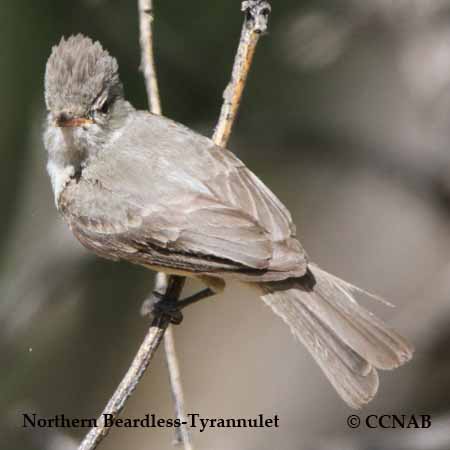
(104, 108)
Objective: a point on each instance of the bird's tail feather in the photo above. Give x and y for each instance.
(348, 342)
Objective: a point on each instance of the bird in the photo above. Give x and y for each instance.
(142, 188)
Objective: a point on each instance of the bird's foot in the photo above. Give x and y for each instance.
(159, 304)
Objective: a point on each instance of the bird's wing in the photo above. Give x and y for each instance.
(172, 193)
(188, 234)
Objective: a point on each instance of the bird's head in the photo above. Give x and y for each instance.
(84, 97)
(81, 83)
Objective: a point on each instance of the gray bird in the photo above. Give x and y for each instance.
(139, 187)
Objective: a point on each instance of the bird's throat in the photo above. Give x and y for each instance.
(68, 157)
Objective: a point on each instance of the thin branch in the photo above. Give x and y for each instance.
(129, 382)
(135, 372)
(256, 20)
(182, 434)
(145, 9)
(255, 23)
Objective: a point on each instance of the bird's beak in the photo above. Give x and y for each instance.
(64, 121)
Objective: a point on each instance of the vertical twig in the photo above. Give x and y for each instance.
(182, 434)
(256, 20)
(145, 9)
(148, 68)
(257, 12)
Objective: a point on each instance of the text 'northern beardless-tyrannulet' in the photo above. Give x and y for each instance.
(142, 188)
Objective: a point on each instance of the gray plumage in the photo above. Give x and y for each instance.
(77, 73)
(140, 187)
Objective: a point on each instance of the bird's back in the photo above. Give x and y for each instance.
(197, 191)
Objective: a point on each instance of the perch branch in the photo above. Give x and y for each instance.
(128, 383)
(135, 372)
(255, 23)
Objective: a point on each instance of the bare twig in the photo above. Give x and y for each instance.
(182, 434)
(145, 8)
(255, 23)
(135, 372)
(129, 382)
(257, 12)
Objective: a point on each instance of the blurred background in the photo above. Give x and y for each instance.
(346, 117)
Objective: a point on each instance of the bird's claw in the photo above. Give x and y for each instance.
(158, 304)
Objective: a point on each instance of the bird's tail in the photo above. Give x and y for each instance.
(348, 342)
